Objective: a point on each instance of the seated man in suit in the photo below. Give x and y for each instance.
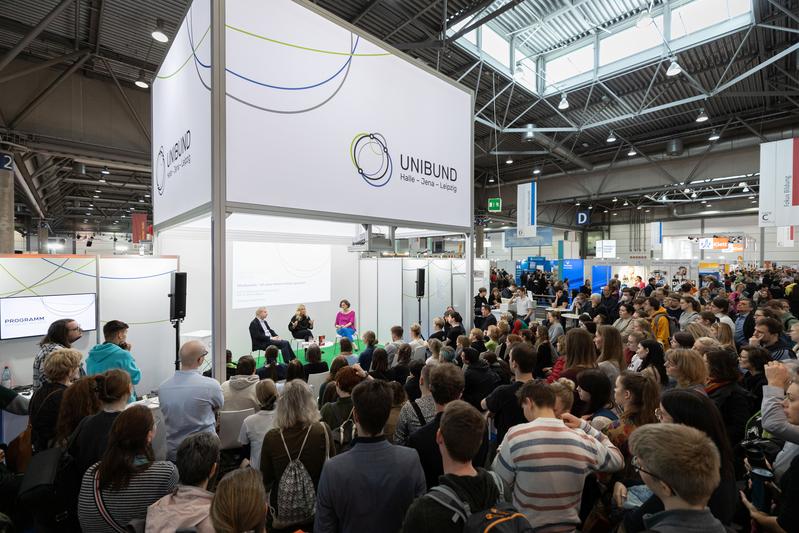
(263, 336)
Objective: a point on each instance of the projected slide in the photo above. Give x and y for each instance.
(30, 316)
(268, 274)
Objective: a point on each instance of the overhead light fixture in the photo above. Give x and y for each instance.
(518, 74)
(141, 82)
(105, 172)
(615, 199)
(491, 179)
(95, 196)
(536, 171)
(707, 205)
(632, 152)
(644, 20)
(97, 190)
(564, 103)
(745, 189)
(611, 137)
(702, 117)
(509, 161)
(647, 210)
(751, 197)
(116, 222)
(686, 191)
(638, 207)
(605, 211)
(615, 214)
(88, 214)
(158, 33)
(703, 202)
(577, 204)
(674, 68)
(101, 180)
(693, 194)
(590, 207)
(626, 203)
(714, 136)
(753, 202)
(146, 195)
(141, 200)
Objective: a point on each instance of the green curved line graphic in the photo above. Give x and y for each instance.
(352, 145)
(17, 280)
(299, 47)
(37, 285)
(167, 76)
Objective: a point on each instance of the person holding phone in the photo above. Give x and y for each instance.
(301, 324)
(114, 353)
(345, 320)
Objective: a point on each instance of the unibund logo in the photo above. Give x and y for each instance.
(24, 319)
(369, 153)
(172, 160)
(371, 158)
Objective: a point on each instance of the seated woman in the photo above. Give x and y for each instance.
(272, 369)
(345, 320)
(127, 479)
(301, 324)
(315, 365)
(239, 503)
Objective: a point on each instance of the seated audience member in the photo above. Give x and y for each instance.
(477, 339)
(127, 480)
(336, 413)
(78, 402)
(411, 385)
(60, 334)
(415, 413)
(365, 359)
(396, 341)
(768, 335)
(788, 517)
(263, 336)
(565, 392)
(61, 369)
(345, 320)
(703, 345)
(492, 344)
(458, 441)
(272, 369)
(680, 465)
(189, 505)
(455, 328)
(379, 368)
(446, 385)
(294, 371)
(754, 359)
(398, 399)
(327, 390)
(555, 327)
(239, 391)
(378, 498)
(239, 503)
(447, 354)
(596, 392)
(257, 425)
(503, 403)
(461, 344)
(687, 369)
(479, 379)
(189, 401)
(114, 353)
(90, 441)
(566, 449)
(315, 365)
(301, 324)
(345, 345)
(402, 362)
(298, 436)
(438, 330)
(417, 341)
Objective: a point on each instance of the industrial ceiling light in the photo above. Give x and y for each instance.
(611, 137)
(647, 210)
(564, 103)
(158, 33)
(491, 179)
(751, 197)
(638, 207)
(615, 199)
(105, 172)
(615, 214)
(95, 196)
(746, 189)
(644, 20)
(686, 190)
(590, 207)
(702, 117)
(536, 171)
(714, 136)
(146, 195)
(101, 180)
(141, 82)
(626, 203)
(141, 200)
(693, 194)
(605, 211)
(509, 161)
(577, 204)
(703, 202)
(674, 68)
(632, 152)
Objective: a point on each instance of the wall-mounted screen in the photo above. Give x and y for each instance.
(30, 316)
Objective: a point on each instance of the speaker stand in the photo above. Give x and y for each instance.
(176, 325)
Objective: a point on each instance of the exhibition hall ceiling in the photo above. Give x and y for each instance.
(522, 58)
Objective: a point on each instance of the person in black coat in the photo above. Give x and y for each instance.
(480, 380)
(272, 369)
(61, 368)
(301, 324)
(754, 359)
(480, 300)
(263, 336)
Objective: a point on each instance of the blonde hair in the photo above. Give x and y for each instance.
(503, 327)
(296, 406)
(301, 306)
(416, 330)
(646, 327)
(493, 332)
(691, 369)
(724, 335)
(703, 345)
(564, 389)
(61, 363)
(698, 330)
(239, 503)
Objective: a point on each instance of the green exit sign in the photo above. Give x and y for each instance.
(494, 205)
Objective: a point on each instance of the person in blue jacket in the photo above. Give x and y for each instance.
(114, 353)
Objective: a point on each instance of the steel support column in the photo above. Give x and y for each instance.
(6, 204)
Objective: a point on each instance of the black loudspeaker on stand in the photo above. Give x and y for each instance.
(420, 290)
(177, 308)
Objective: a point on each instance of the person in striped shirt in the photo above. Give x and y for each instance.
(546, 460)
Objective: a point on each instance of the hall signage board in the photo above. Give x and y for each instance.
(779, 183)
(583, 218)
(526, 209)
(495, 205)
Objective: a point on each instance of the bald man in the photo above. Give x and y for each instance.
(189, 400)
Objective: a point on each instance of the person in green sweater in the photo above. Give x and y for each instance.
(114, 353)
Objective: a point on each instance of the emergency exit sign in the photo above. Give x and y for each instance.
(494, 205)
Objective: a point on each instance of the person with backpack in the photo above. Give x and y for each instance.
(337, 413)
(292, 457)
(416, 413)
(659, 320)
(370, 487)
(467, 498)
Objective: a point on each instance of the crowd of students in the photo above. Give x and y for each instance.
(656, 411)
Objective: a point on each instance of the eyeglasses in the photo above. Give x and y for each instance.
(637, 465)
(659, 414)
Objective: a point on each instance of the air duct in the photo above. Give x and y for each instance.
(674, 147)
(554, 148)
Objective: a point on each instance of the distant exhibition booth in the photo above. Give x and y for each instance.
(277, 144)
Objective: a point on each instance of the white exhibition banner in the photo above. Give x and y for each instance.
(656, 233)
(269, 273)
(31, 316)
(779, 183)
(181, 118)
(526, 209)
(321, 119)
(606, 249)
(785, 237)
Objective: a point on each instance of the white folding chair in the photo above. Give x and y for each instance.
(419, 354)
(316, 380)
(230, 423)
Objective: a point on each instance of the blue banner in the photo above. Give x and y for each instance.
(600, 276)
(573, 271)
(543, 238)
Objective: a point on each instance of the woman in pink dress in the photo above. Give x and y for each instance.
(345, 320)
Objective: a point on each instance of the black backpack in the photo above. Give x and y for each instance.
(501, 518)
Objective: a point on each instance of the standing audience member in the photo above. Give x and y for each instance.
(744, 322)
(687, 369)
(658, 319)
(455, 329)
(416, 413)
(624, 322)
(114, 353)
(61, 369)
(61, 334)
(336, 413)
(189, 505)
(479, 379)
(438, 330)
(327, 390)
(189, 401)
(754, 359)
(638, 397)
(239, 391)
(298, 436)
(256, 426)
(239, 503)
(379, 498)
(690, 311)
(566, 449)
(398, 399)
(775, 419)
(417, 341)
(127, 480)
(732, 400)
(653, 364)
(78, 402)
(611, 351)
(314, 365)
(768, 335)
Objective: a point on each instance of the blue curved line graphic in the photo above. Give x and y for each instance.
(33, 286)
(105, 277)
(278, 87)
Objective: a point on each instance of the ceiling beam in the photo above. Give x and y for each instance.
(32, 33)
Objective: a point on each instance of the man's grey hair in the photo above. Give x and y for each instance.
(196, 456)
(257, 311)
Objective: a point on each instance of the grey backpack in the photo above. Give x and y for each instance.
(296, 497)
